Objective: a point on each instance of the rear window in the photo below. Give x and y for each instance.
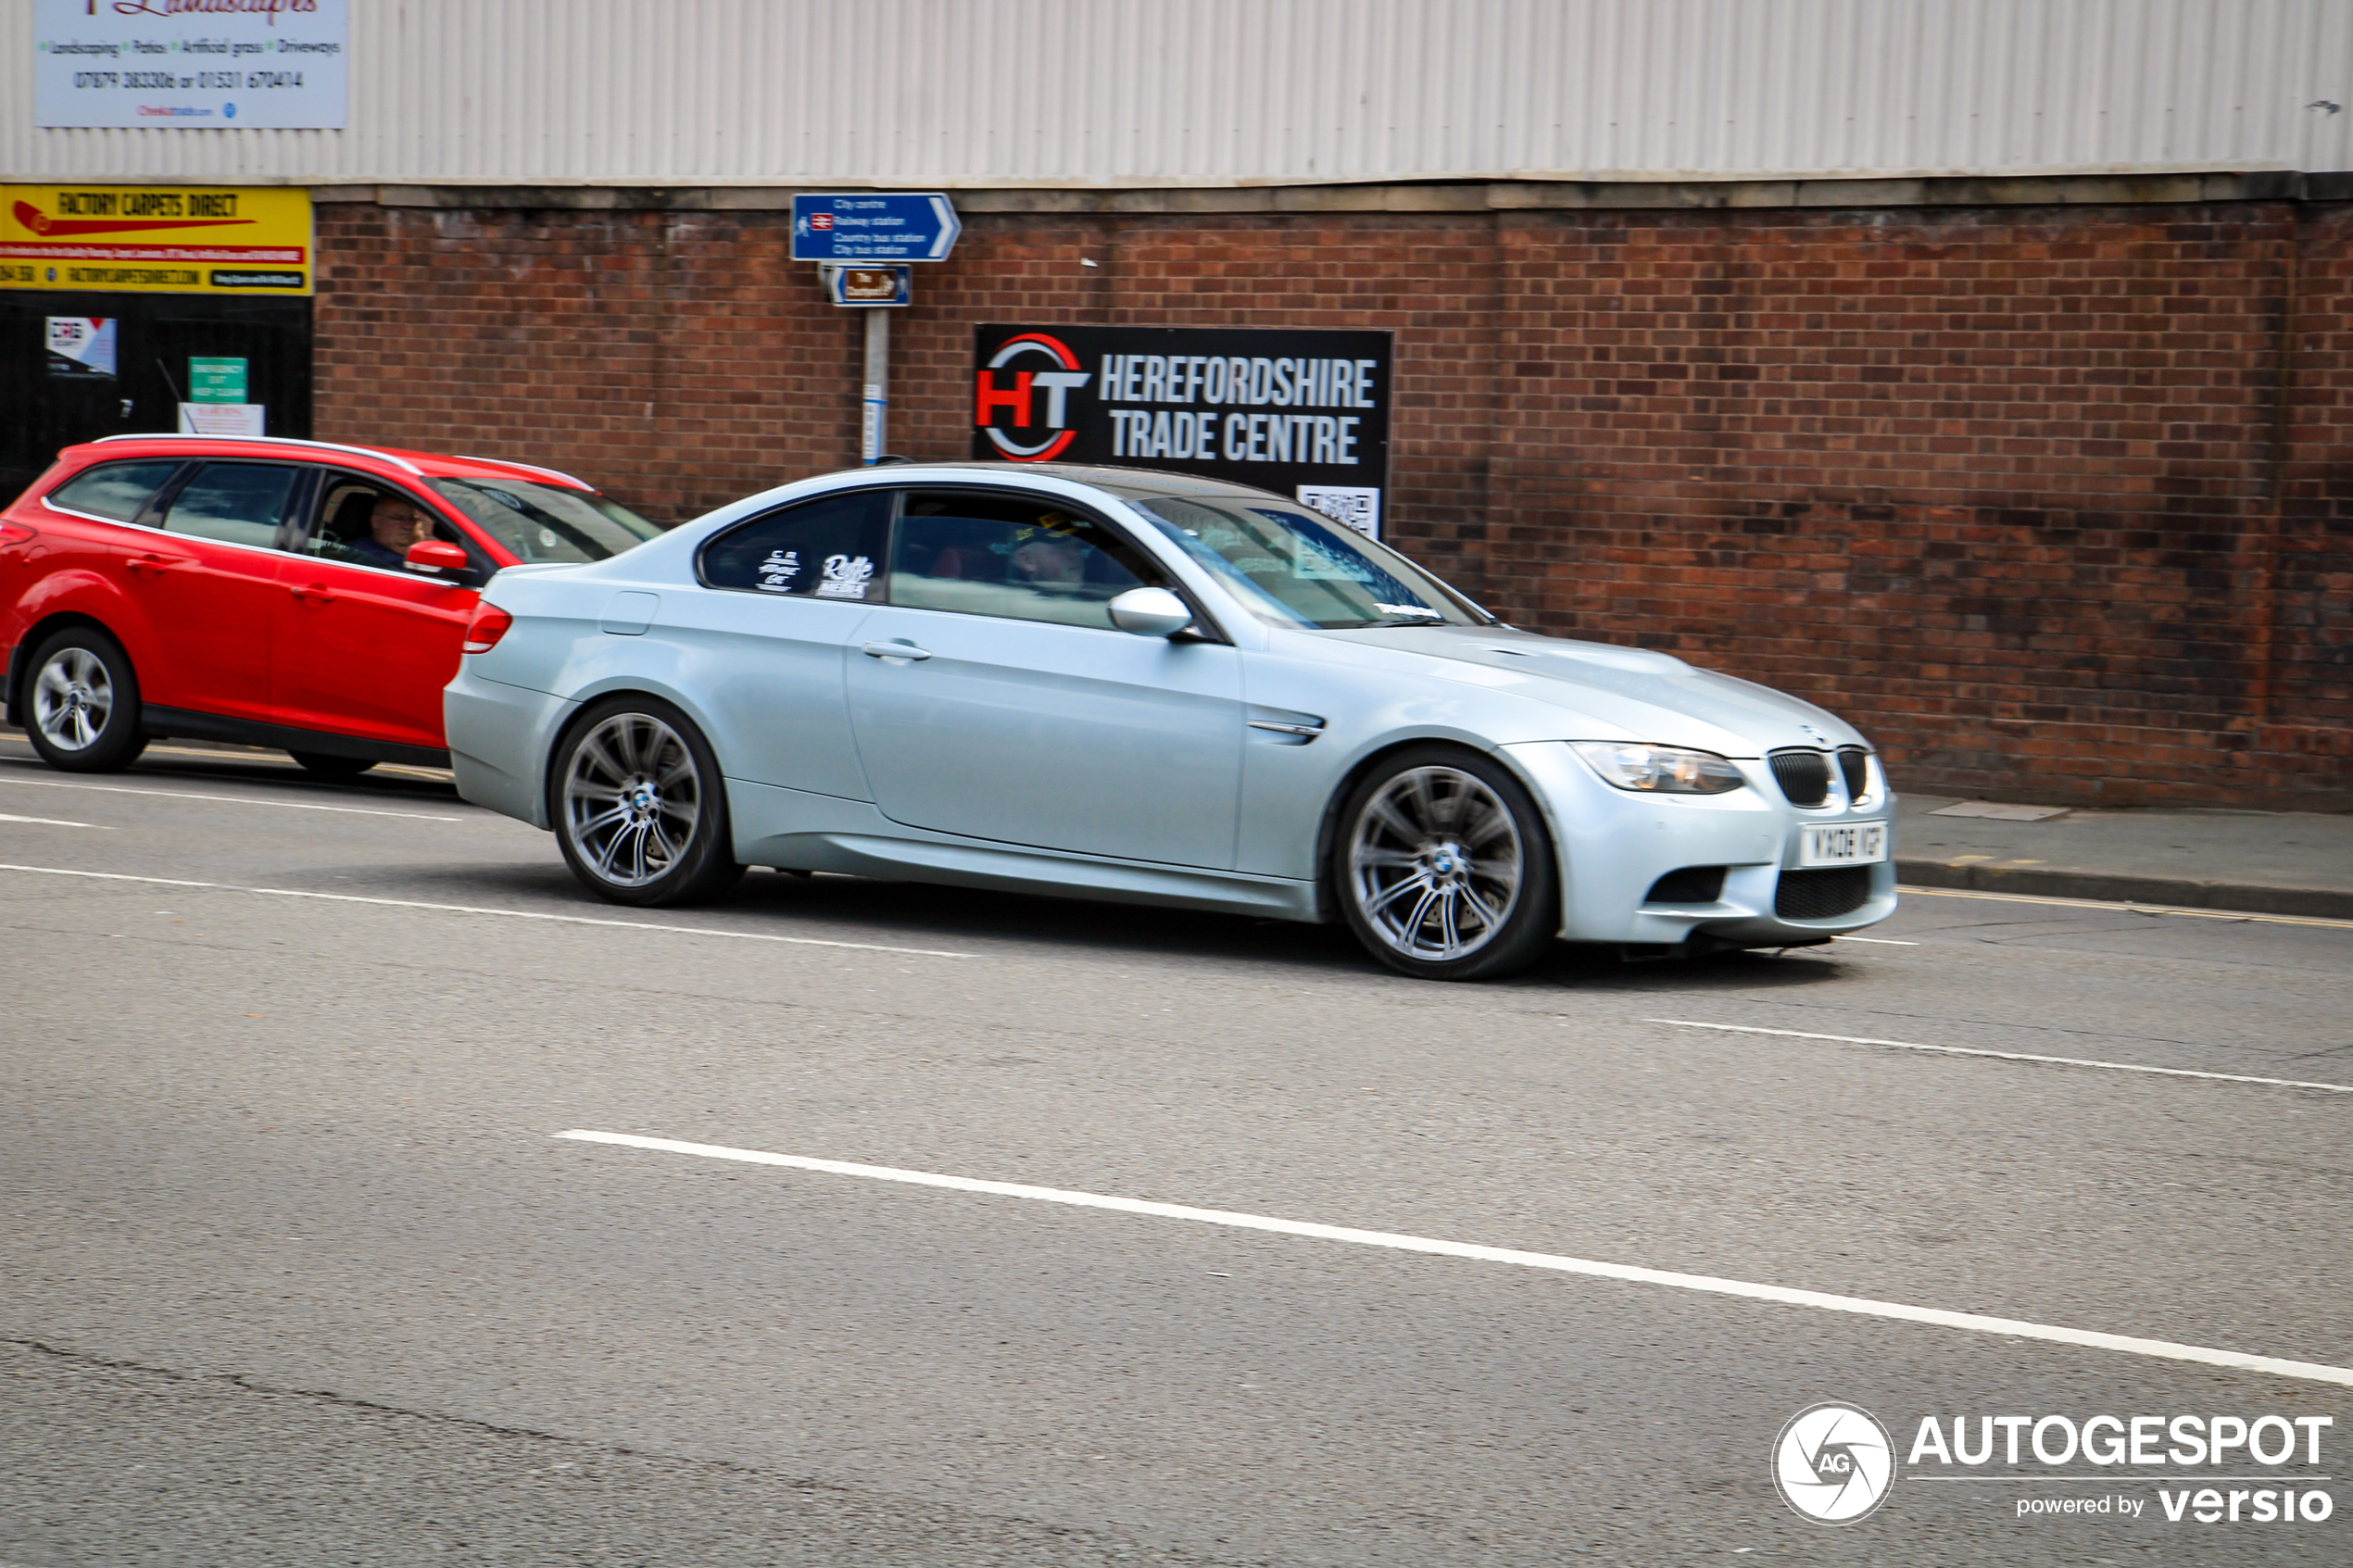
(827, 548)
(546, 522)
(115, 490)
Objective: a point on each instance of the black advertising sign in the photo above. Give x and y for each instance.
(1303, 413)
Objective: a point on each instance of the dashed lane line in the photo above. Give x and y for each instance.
(228, 799)
(1909, 891)
(2008, 1056)
(2015, 1328)
(476, 909)
(52, 822)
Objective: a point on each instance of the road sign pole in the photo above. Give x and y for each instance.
(865, 242)
(876, 411)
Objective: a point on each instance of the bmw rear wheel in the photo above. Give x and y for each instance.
(82, 703)
(640, 811)
(1444, 869)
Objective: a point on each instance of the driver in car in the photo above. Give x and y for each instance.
(1050, 557)
(394, 524)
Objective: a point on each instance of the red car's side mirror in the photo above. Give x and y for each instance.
(437, 557)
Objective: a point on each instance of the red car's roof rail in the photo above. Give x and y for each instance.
(530, 468)
(277, 441)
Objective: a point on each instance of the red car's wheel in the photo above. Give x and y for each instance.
(82, 703)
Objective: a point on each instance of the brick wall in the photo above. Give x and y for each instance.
(2056, 502)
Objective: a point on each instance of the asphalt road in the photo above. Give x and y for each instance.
(297, 1272)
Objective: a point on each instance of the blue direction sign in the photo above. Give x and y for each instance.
(874, 226)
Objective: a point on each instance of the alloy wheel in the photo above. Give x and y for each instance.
(632, 798)
(72, 698)
(1435, 864)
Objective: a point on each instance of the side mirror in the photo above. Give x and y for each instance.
(1150, 612)
(437, 558)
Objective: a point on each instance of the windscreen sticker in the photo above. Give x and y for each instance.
(846, 577)
(1316, 562)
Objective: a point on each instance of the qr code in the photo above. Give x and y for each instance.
(1359, 509)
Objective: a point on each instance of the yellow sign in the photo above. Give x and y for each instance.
(155, 239)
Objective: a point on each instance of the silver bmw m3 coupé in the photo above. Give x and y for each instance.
(1114, 683)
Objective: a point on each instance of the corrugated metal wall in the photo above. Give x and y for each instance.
(1156, 93)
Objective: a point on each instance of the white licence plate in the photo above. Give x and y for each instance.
(1843, 844)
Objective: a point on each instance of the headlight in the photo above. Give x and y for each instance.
(1659, 770)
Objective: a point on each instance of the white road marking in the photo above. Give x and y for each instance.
(230, 799)
(1876, 941)
(2008, 1056)
(1909, 891)
(54, 822)
(475, 910)
(2016, 1328)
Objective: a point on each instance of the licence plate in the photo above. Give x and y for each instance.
(1843, 844)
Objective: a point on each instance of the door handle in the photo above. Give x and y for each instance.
(315, 591)
(156, 564)
(895, 650)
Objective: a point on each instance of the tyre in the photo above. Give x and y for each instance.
(328, 766)
(1443, 867)
(82, 703)
(639, 807)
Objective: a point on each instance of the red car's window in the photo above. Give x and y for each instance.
(236, 503)
(114, 490)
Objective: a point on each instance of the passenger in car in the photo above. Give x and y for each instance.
(392, 525)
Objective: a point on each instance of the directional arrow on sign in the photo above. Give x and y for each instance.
(854, 226)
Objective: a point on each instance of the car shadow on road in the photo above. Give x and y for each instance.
(872, 910)
(875, 909)
(250, 765)
(1603, 970)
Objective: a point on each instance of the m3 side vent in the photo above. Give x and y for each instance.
(1693, 884)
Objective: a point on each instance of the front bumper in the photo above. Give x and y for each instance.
(1614, 845)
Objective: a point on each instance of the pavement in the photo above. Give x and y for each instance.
(2270, 862)
(303, 1271)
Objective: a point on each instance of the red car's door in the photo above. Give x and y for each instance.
(208, 586)
(364, 650)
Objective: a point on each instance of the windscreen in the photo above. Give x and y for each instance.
(1297, 568)
(543, 522)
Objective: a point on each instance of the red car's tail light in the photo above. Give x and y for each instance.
(488, 625)
(16, 534)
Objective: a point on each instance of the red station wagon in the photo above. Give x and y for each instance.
(298, 595)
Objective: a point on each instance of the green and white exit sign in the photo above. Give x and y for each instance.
(216, 381)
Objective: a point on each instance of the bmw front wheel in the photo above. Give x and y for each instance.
(1444, 869)
(82, 703)
(640, 810)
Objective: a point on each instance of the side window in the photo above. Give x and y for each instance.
(236, 503)
(364, 521)
(1028, 557)
(828, 548)
(115, 490)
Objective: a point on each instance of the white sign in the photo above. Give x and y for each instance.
(222, 418)
(1357, 505)
(192, 65)
(86, 342)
